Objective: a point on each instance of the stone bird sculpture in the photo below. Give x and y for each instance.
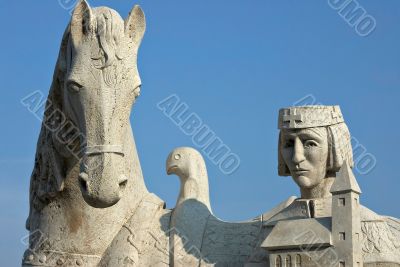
(196, 236)
(192, 211)
(188, 164)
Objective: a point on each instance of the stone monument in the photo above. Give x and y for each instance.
(327, 226)
(89, 205)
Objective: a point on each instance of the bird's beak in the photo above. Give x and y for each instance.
(172, 169)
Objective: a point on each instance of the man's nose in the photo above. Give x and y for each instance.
(298, 151)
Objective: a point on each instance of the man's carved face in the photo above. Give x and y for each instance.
(305, 152)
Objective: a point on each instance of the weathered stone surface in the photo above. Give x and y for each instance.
(87, 181)
(89, 205)
(291, 234)
(315, 149)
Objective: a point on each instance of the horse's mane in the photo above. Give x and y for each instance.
(108, 26)
(49, 171)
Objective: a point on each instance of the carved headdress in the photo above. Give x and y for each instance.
(329, 117)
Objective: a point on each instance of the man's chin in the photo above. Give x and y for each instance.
(303, 181)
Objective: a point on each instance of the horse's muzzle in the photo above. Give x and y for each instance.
(101, 179)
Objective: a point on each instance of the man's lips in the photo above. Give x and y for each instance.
(299, 171)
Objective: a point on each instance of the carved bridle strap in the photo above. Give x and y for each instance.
(101, 149)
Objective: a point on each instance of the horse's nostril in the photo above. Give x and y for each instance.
(122, 184)
(83, 181)
(83, 185)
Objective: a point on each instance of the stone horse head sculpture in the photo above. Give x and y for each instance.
(100, 83)
(86, 155)
(95, 85)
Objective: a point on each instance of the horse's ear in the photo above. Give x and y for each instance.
(81, 22)
(135, 25)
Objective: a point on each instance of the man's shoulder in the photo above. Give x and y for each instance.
(277, 211)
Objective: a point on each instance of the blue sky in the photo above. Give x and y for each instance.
(234, 63)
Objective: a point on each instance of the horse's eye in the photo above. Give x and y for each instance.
(74, 87)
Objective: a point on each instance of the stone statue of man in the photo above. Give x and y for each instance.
(314, 145)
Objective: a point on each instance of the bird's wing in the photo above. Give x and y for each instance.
(231, 244)
(381, 239)
(394, 226)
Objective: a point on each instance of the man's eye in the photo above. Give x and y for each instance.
(310, 143)
(289, 143)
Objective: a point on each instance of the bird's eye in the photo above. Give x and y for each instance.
(177, 156)
(74, 87)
